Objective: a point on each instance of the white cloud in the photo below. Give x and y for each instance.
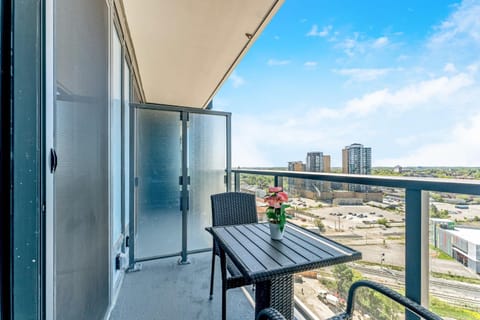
(275, 62)
(237, 81)
(310, 64)
(450, 67)
(247, 151)
(380, 42)
(275, 139)
(351, 45)
(359, 44)
(460, 148)
(361, 75)
(315, 33)
(472, 68)
(409, 96)
(421, 93)
(257, 142)
(463, 24)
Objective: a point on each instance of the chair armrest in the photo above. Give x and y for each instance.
(395, 296)
(270, 314)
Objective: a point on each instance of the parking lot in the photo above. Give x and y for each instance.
(344, 218)
(457, 213)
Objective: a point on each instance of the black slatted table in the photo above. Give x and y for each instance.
(271, 263)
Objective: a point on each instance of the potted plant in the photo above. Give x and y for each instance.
(276, 214)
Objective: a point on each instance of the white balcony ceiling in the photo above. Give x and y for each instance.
(185, 49)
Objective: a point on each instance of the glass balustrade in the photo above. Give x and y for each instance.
(373, 219)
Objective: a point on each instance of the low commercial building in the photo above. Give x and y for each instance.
(460, 242)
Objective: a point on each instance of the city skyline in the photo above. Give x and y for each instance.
(400, 77)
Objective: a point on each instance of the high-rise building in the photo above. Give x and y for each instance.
(345, 160)
(317, 162)
(357, 159)
(327, 163)
(295, 186)
(314, 162)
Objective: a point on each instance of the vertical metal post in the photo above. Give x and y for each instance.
(425, 248)
(49, 222)
(122, 150)
(184, 192)
(415, 274)
(132, 266)
(6, 218)
(275, 181)
(237, 181)
(228, 179)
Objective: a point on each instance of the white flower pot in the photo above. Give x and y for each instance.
(275, 232)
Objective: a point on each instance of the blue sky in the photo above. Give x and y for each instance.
(401, 77)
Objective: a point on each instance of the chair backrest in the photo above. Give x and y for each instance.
(231, 208)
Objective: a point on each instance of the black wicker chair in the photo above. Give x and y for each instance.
(230, 208)
(272, 314)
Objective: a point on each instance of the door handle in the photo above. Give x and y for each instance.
(53, 160)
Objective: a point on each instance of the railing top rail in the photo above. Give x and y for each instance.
(462, 186)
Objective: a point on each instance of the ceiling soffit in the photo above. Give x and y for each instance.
(185, 49)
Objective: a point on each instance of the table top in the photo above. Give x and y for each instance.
(260, 258)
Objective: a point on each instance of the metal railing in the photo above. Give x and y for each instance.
(416, 214)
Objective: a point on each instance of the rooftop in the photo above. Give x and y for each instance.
(469, 234)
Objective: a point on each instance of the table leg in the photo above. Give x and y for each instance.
(276, 293)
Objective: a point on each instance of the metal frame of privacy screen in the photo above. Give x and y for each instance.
(184, 115)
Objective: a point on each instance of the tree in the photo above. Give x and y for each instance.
(436, 197)
(344, 276)
(319, 224)
(383, 221)
(442, 214)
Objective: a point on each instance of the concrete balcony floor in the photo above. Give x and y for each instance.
(165, 290)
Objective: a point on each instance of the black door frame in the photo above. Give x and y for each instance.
(22, 159)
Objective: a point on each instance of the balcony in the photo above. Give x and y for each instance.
(104, 170)
(165, 287)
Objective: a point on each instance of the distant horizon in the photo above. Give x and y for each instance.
(399, 77)
(405, 167)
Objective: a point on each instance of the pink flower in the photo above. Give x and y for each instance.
(272, 202)
(274, 189)
(282, 196)
(276, 197)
